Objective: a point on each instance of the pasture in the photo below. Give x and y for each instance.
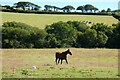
(84, 63)
(41, 20)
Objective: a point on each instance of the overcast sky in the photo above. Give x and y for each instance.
(101, 4)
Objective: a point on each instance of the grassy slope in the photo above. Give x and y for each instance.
(97, 63)
(41, 20)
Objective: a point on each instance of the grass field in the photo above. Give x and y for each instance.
(84, 63)
(41, 20)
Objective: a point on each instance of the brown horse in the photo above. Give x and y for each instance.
(62, 56)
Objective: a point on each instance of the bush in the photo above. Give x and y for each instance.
(79, 26)
(114, 40)
(59, 35)
(87, 39)
(117, 16)
(20, 35)
(64, 35)
(108, 30)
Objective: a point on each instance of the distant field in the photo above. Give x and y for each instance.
(41, 20)
(84, 63)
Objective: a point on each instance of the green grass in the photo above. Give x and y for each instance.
(84, 63)
(61, 72)
(41, 20)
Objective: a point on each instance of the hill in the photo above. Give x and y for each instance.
(41, 20)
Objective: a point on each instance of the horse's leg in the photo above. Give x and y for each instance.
(66, 61)
(61, 61)
(58, 61)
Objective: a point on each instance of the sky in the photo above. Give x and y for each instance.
(100, 4)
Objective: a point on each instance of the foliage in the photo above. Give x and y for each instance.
(22, 6)
(90, 7)
(49, 8)
(108, 30)
(79, 26)
(68, 8)
(87, 7)
(20, 35)
(117, 16)
(60, 34)
(53, 12)
(63, 33)
(101, 39)
(87, 39)
(7, 7)
(28, 5)
(95, 9)
(114, 41)
(80, 8)
(108, 10)
(103, 10)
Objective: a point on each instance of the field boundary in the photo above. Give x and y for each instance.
(52, 12)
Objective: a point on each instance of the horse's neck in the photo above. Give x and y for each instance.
(65, 53)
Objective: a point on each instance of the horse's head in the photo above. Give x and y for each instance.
(68, 51)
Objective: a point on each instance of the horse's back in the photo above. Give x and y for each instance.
(60, 55)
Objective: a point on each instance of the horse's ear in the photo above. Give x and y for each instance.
(68, 49)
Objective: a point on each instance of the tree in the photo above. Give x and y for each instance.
(33, 6)
(80, 8)
(105, 31)
(63, 33)
(25, 5)
(108, 10)
(48, 7)
(79, 26)
(37, 7)
(56, 8)
(103, 10)
(20, 35)
(95, 9)
(51, 41)
(88, 7)
(21, 5)
(87, 39)
(14, 37)
(7, 7)
(91, 38)
(101, 39)
(68, 8)
(108, 30)
(114, 41)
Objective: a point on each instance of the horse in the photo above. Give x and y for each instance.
(62, 56)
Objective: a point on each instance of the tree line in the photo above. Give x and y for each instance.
(60, 35)
(67, 8)
(88, 9)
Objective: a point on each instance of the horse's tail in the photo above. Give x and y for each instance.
(56, 56)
